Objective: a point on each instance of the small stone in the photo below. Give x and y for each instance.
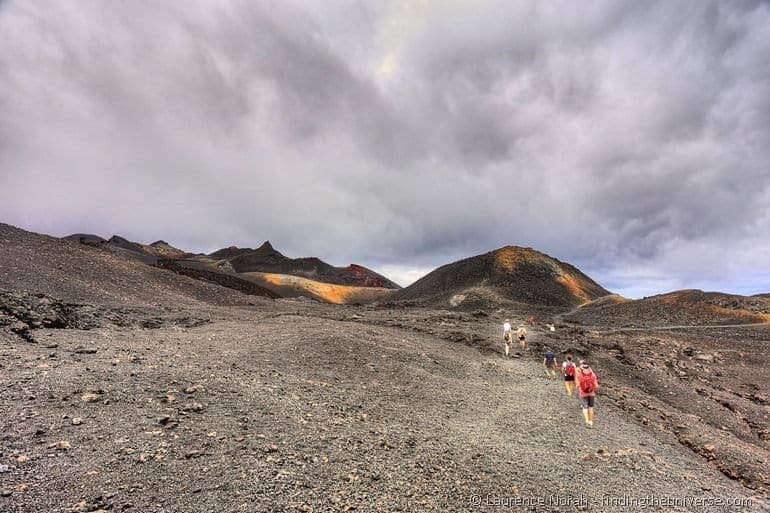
(77, 421)
(193, 406)
(79, 506)
(270, 448)
(22, 458)
(163, 419)
(85, 350)
(89, 397)
(62, 445)
(5, 492)
(4, 469)
(193, 389)
(193, 454)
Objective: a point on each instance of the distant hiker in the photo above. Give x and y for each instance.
(522, 334)
(531, 320)
(587, 383)
(568, 370)
(549, 362)
(507, 335)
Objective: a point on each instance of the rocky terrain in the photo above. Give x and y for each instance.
(313, 407)
(208, 399)
(683, 307)
(504, 275)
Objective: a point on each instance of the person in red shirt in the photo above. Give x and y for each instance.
(587, 383)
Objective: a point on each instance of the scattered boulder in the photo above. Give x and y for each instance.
(193, 406)
(193, 389)
(90, 397)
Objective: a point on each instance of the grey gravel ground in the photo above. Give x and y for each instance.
(294, 406)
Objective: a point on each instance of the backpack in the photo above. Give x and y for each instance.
(587, 382)
(569, 369)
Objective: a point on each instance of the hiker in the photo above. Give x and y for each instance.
(507, 335)
(550, 364)
(568, 371)
(522, 334)
(587, 383)
(531, 320)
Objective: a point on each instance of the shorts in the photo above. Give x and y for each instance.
(521, 339)
(588, 402)
(569, 378)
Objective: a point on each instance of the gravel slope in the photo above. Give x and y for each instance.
(302, 407)
(74, 272)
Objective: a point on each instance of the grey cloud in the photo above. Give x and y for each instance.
(629, 138)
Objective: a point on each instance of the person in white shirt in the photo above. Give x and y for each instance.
(507, 335)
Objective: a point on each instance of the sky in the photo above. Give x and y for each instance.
(631, 139)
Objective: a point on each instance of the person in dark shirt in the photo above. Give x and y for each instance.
(550, 364)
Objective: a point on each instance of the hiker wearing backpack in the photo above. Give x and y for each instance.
(507, 335)
(587, 383)
(549, 362)
(521, 333)
(568, 370)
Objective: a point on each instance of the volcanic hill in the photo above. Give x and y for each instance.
(267, 259)
(145, 253)
(263, 271)
(682, 307)
(86, 273)
(510, 273)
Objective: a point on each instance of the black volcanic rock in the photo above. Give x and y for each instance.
(229, 252)
(84, 238)
(123, 243)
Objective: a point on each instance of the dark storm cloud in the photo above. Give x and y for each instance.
(629, 138)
